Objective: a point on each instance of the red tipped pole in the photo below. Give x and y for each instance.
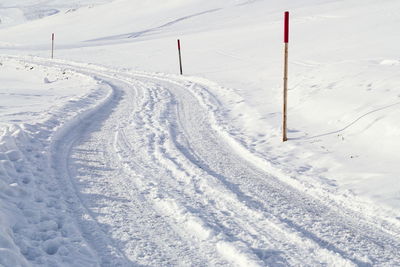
(285, 76)
(52, 45)
(180, 56)
(286, 37)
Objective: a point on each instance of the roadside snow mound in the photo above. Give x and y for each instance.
(35, 220)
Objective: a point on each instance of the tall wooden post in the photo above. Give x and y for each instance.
(52, 45)
(285, 77)
(180, 56)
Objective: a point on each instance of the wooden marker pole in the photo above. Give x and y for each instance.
(180, 56)
(285, 77)
(52, 45)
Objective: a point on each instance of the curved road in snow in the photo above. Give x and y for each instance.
(153, 182)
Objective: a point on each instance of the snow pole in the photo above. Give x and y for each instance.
(285, 76)
(52, 45)
(180, 56)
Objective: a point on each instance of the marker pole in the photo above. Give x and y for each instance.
(52, 45)
(180, 56)
(285, 77)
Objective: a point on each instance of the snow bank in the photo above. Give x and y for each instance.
(35, 221)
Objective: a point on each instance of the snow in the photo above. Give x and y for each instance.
(34, 223)
(108, 158)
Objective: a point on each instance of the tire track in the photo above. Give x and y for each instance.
(166, 188)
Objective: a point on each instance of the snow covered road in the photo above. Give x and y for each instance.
(151, 179)
(115, 161)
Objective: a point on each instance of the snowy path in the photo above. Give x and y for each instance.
(152, 181)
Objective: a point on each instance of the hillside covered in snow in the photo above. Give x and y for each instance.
(109, 157)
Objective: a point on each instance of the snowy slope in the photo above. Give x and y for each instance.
(343, 86)
(115, 163)
(12, 13)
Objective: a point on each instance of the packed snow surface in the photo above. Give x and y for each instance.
(108, 158)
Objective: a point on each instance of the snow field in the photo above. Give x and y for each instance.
(343, 87)
(160, 170)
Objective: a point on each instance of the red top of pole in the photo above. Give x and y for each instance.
(286, 38)
(179, 44)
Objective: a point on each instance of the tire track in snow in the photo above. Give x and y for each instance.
(169, 202)
(353, 240)
(241, 252)
(127, 209)
(195, 185)
(174, 206)
(107, 252)
(112, 248)
(224, 222)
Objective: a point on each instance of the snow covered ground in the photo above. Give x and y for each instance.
(116, 161)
